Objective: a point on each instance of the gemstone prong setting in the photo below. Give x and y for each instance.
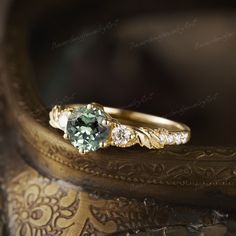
(90, 127)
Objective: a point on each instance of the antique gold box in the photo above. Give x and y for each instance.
(52, 54)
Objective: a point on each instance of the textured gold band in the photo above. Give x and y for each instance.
(128, 127)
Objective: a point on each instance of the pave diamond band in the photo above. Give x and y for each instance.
(90, 127)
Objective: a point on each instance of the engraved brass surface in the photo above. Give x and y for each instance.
(40, 206)
(106, 192)
(171, 175)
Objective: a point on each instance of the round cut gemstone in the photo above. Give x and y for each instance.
(121, 135)
(85, 129)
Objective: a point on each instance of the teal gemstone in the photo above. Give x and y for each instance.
(85, 129)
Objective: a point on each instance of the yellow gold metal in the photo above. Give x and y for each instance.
(41, 206)
(146, 130)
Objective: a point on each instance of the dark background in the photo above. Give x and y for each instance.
(175, 60)
(168, 59)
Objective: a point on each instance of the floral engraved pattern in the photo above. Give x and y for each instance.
(38, 207)
(131, 214)
(90, 230)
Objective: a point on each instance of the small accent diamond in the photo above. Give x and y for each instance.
(162, 138)
(178, 138)
(170, 139)
(184, 137)
(121, 135)
(63, 119)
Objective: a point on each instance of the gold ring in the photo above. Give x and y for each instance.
(90, 127)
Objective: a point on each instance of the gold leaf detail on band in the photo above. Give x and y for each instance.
(148, 137)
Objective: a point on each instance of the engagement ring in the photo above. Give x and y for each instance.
(90, 127)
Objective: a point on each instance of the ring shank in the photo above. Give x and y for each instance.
(145, 120)
(141, 119)
(138, 128)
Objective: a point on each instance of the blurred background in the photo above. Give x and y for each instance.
(168, 59)
(171, 59)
